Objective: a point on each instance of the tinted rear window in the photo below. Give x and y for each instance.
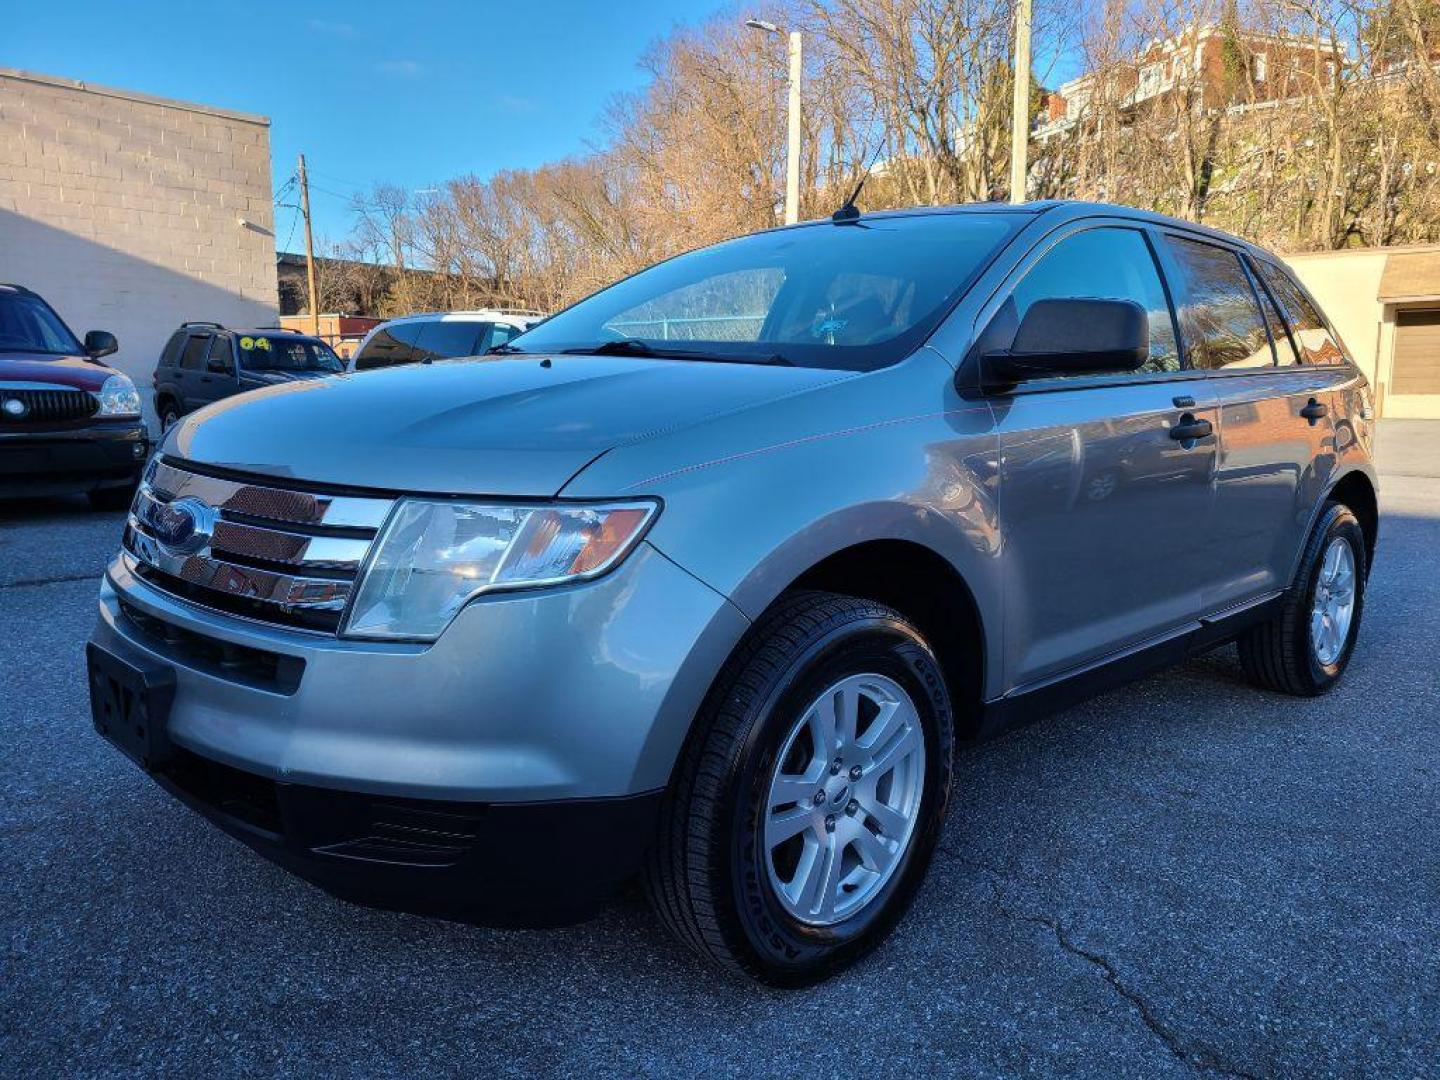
(1312, 335)
(193, 358)
(442, 339)
(392, 344)
(1221, 316)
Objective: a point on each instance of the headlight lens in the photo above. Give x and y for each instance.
(432, 558)
(118, 397)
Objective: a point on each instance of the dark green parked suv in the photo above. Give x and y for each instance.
(204, 362)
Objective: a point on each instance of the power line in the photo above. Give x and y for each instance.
(285, 187)
(294, 221)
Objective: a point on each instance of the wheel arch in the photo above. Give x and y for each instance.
(928, 590)
(1356, 489)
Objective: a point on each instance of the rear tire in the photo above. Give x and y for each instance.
(169, 414)
(715, 876)
(1289, 655)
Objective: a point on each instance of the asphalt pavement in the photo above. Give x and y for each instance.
(1184, 877)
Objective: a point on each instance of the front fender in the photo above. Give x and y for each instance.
(749, 521)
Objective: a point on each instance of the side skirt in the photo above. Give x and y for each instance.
(1029, 703)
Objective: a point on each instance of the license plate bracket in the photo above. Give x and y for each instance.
(130, 705)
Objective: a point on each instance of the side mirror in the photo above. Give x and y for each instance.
(1072, 337)
(100, 343)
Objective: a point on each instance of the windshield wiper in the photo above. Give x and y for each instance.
(636, 347)
(621, 347)
(503, 349)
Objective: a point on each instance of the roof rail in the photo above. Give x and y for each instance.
(216, 325)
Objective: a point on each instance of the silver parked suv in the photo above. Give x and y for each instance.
(706, 577)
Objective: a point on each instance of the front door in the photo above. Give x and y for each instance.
(1105, 508)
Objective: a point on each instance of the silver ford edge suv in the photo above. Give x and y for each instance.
(706, 578)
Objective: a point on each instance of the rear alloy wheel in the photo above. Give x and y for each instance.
(169, 417)
(1304, 648)
(811, 794)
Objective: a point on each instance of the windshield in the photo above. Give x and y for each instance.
(854, 297)
(287, 354)
(28, 325)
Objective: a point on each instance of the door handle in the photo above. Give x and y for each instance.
(1189, 429)
(1315, 411)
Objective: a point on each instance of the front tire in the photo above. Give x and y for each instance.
(1304, 649)
(810, 798)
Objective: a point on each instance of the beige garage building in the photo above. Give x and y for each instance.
(132, 214)
(1386, 304)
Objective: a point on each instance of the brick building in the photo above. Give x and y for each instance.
(1218, 68)
(133, 213)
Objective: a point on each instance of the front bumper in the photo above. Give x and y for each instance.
(510, 864)
(548, 720)
(65, 460)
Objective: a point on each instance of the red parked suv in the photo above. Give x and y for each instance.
(68, 423)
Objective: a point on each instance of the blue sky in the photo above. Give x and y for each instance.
(412, 93)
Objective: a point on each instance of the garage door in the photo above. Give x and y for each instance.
(1417, 353)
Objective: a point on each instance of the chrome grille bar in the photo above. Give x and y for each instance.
(295, 550)
(258, 499)
(279, 555)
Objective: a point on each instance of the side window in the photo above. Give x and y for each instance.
(1220, 310)
(1285, 354)
(222, 357)
(171, 356)
(1101, 264)
(1313, 337)
(500, 333)
(442, 339)
(392, 344)
(193, 358)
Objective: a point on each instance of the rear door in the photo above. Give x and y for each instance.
(1276, 447)
(1105, 512)
(191, 369)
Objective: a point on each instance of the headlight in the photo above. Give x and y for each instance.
(432, 558)
(118, 397)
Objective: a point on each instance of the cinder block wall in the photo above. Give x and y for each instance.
(132, 213)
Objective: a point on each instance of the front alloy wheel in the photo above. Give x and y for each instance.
(810, 797)
(844, 798)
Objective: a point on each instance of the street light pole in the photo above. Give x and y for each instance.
(792, 148)
(792, 113)
(1020, 115)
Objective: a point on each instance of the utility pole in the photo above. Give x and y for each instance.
(309, 249)
(1020, 115)
(792, 116)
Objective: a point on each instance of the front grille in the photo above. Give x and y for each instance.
(46, 406)
(277, 554)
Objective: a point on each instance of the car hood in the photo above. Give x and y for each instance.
(77, 372)
(521, 425)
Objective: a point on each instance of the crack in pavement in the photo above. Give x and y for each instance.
(1201, 1059)
(62, 579)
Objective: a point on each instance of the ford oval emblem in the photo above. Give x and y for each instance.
(183, 526)
(14, 408)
